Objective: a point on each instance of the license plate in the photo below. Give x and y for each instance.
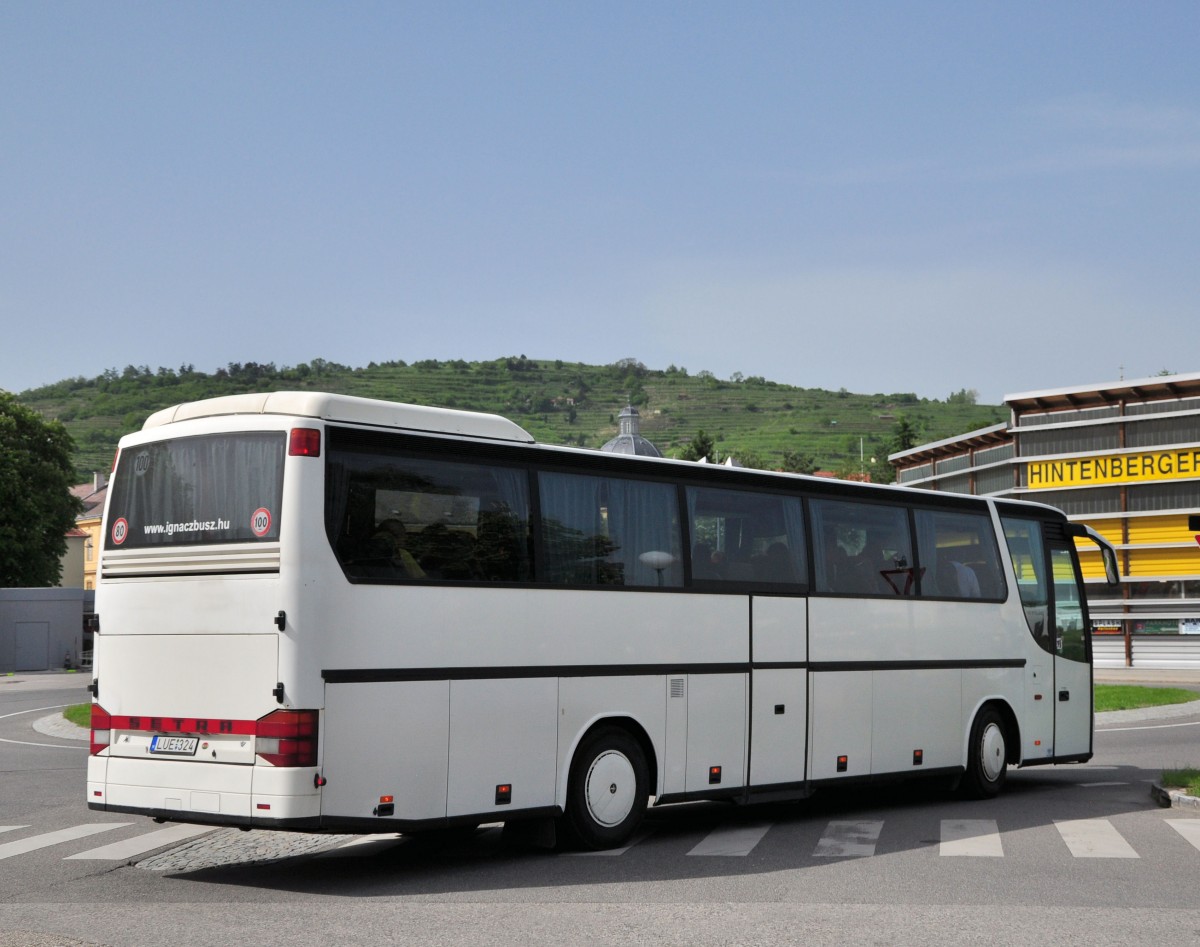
(174, 746)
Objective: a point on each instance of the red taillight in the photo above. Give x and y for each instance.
(287, 738)
(101, 729)
(304, 442)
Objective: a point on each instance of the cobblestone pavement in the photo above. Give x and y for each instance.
(236, 847)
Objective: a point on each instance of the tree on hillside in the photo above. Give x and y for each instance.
(905, 435)
(795, 461)
(701, 446)
(36, 505)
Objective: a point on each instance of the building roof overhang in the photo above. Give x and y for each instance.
(1159, 387)
(992, 436)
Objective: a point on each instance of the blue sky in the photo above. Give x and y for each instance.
(878, 196)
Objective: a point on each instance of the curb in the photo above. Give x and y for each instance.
(56, 725)
(1172, 798)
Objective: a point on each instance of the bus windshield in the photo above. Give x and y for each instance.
(223, 488)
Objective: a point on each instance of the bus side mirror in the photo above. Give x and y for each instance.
(1112, 571)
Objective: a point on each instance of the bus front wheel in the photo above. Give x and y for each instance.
(987, 757)
(607, 790)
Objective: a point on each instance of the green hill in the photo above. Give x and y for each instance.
(762, 423)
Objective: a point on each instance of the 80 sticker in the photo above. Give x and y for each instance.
(120, 531)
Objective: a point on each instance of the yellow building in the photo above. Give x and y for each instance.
(1124, 458)
(88, 524)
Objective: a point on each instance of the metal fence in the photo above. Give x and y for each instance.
(1149, 651)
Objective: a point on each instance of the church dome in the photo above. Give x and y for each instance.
(630, 440)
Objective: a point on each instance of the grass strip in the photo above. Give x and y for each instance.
(1133, 697)
(1186, 778)
(79, 714)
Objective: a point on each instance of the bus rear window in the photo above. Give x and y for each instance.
(223, 488)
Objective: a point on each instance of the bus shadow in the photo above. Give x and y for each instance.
(491, 859)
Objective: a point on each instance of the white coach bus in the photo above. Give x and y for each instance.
(326, 613)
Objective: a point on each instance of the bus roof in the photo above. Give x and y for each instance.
(330, 407)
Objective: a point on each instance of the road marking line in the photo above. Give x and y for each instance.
(1099, 785)
(36, 710)
(973, 838)
(34, 842)
(1188, 828)
(363, 846)
(9, 828)
(1094, 838)
(49, 746)
(848, 840)
(734, 840)
(119, 851)
(637, 837)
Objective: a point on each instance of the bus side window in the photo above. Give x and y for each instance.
(863, 549)
(739, 536)
(609, 531)
(395, 515)
(958, 556)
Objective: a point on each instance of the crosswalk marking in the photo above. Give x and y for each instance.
(34, 842)
(848, 840)
(363, 846)
(732, 840)
(1188, 828)
(1083, 838)
(979, 838)
(1094, 838)
(637, 837)
(119, 851)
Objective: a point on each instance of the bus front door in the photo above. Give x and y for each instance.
(1072, 662)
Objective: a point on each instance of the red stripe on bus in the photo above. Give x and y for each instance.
(184, 725)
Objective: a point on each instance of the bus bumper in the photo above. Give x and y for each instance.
(215, 794)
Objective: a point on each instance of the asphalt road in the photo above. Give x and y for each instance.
(1065, 853)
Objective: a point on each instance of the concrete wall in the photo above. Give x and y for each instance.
(72, 563)
(41, 628)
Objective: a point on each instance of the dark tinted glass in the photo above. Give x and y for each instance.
(394, 515)
(609, 531)
(223, 488)
(739, 536)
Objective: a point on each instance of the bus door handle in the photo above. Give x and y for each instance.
(1064, 695)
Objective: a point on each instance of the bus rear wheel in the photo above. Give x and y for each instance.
(607, 790)
(987, 756)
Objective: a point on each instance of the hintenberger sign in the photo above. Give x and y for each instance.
(1114, 468)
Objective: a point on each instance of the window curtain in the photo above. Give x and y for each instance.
(609, 531)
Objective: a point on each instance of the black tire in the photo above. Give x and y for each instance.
(607, 790)
(987, 756)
